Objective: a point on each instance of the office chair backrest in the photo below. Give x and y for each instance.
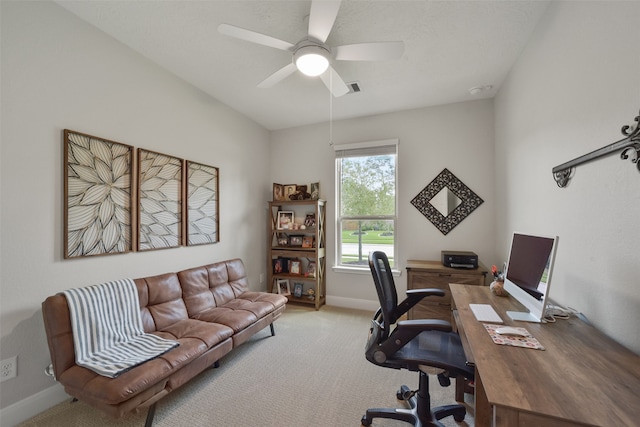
(385, 286)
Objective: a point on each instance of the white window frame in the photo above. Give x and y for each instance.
(362, 148)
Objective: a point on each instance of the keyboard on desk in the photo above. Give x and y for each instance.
(485, 313)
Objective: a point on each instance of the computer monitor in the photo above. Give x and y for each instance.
(528, 275)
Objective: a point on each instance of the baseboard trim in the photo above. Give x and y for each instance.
(360, 304)
(32, 405)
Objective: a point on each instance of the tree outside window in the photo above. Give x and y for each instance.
(367, 203)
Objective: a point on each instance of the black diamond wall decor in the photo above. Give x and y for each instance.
(445, 179)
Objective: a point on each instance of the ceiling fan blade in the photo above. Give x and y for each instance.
(334, 82)
(321, 18)
(278, 76)
(253, 37)
(375, 51)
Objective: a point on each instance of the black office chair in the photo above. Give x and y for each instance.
(414, 345)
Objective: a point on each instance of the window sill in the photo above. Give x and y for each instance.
(360, 270)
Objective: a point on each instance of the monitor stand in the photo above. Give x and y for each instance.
(522, 316)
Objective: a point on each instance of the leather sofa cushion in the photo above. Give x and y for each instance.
(195, 338)
(212, 285)
(84, 382)
(161, 302)
(211, 334)
(235, 319)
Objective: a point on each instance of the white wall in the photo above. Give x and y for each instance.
(457, 136)
(571, 91)
(58, 72)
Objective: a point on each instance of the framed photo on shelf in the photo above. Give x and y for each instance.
(315, 190)
(283, 239)
(289, 189)
(277, 266)
(311, 269)
(310, 220)
(297, 290)
(295, 240)
(295, 267)
(278, 192)
(283, 287)
(285, 220)
(307, 241)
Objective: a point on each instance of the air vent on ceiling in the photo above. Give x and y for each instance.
(353, 87)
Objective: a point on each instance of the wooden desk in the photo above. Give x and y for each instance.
(582, 378)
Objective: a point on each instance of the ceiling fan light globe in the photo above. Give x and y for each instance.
(312, 60)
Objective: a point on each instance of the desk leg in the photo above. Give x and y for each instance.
(482, 414)
(460, 385)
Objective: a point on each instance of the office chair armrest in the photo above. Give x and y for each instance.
(426, 292)
(421, 325)
(406, 330)
(414, 296)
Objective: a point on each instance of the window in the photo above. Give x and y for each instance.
(366, 201)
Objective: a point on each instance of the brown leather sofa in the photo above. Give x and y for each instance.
(208, 310)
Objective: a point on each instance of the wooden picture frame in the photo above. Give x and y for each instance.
(311, 269)
(298, 289)
(160, 210)
(202, 211)
(295, 267)
(283, 239)
(310, 220)
(285, 220)
(296, 240)
(283, 286)
(278, 192)
(307, 241)
(315, 190)
(278, 267)
(289, 189)
(98, 196)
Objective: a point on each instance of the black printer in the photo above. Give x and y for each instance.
(459, 259)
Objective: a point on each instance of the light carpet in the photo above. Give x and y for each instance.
(312, 373)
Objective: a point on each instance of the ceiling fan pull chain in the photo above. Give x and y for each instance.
(330, 111)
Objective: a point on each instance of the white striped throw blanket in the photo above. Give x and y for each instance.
(107, 328)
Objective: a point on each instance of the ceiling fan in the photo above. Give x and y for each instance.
(311, 55)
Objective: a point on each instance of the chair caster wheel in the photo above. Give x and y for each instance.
(365, 421)
(404, 393)
(458, 417)
(444, 380)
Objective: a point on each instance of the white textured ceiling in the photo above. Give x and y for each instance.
(450, 46)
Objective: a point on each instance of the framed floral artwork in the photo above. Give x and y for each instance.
(98, 197)
(159, 200)
(203, 207)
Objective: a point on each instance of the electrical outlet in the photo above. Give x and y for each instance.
(261, 278)
(8, 368)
